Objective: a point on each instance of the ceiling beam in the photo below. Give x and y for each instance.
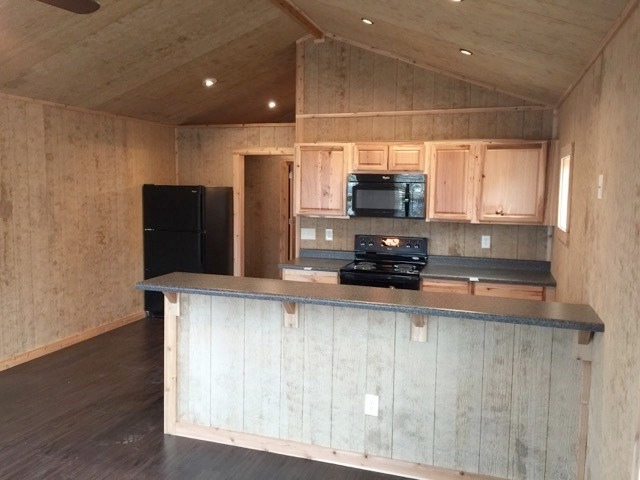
(302, 18)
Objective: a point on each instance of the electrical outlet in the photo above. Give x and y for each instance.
(486, 241)
(307, 233)
(328, 234)
(371, 405)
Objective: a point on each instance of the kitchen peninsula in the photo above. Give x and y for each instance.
(489, 387)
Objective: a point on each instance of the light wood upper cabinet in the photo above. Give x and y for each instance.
(406, 158)
(512, 183)
(451, 186)
(369, 157)
(321, 175)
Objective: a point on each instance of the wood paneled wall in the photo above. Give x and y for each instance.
(339, 78)
(523, 242)
(484, 397)
(205, 154)
(601, 263)
(71, 218)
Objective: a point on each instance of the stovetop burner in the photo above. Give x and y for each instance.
(404, 268)
(366, 266)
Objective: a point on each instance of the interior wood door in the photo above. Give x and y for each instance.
(513, 183)
(266, 226)
(321, 180)
(451, 186)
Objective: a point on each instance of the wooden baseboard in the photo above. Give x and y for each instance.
(324, 454)
(67, 342)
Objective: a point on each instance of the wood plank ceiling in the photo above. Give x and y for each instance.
(147, 58)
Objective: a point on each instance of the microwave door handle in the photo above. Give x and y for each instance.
(407, 199)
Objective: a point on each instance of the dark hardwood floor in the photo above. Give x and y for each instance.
(94, 411)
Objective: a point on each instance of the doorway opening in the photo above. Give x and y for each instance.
(264, 228)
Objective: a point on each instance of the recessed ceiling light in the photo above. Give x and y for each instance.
(209, 82)
(456, 1)
(466, 52)
(272, 104)
(367, 21)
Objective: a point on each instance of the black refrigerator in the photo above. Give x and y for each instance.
(186, 229)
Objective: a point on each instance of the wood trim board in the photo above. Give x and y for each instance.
(68, 341)
(324, 454)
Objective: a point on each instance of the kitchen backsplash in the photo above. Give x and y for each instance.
(521, 242)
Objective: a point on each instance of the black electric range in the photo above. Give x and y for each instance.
(386, 261)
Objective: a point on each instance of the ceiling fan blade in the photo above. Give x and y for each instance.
(75, 6)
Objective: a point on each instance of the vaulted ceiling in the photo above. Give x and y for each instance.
(147, 58)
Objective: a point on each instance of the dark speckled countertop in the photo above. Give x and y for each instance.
(523, 272)
(504, 310)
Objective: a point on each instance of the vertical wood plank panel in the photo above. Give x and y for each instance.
(342, 70)
(458, 394)
(564, 408)
(349, 379)
(182, 363)
(361, 93)
(292, 378)
(262, 356)
(199, 354)
(414, 393)
(404, 101)
(318, 374)
(227, 366)
(384, 96)
(380, 375)
(496, 399)
(530, 402)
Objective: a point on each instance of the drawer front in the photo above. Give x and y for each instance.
(312, 276)
(446, 286)
(505, 290)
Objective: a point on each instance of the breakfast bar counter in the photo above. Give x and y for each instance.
(452, 385)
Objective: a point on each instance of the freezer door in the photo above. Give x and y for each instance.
(174, 208)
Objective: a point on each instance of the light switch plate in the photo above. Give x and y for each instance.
(307, 233)
(328, 234)
(486, 241)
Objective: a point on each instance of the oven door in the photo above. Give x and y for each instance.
(380, 280)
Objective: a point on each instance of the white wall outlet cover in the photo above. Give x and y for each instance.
(486, 241)
(328, 234)
(371, 405)
(307, 233)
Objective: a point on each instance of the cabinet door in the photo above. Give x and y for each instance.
(445, 286)
(506, 290)
(513, 183)
(321, 180)
(452, 193)
(370, 158)
(406, 158)
(312, 276)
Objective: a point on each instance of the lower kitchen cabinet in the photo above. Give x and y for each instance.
(488, 289)
(312, 276)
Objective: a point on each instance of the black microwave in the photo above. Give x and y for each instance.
(378, 195)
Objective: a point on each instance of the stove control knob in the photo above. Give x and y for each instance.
(408, 245)
(362, 244)
(371, 244)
